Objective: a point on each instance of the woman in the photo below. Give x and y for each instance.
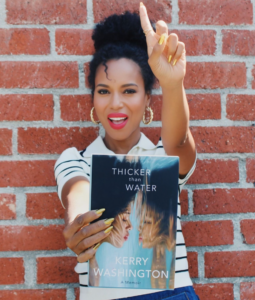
(128, 55)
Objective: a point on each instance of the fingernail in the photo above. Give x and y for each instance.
(100, 211)
(161, 40)
(141, 4)
(169, 58)
(108, 229)
(175, 61)
(109, 221)
(97, 245)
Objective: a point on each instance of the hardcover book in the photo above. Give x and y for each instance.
(140, 193)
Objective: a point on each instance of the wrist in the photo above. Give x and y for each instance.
(172, 86)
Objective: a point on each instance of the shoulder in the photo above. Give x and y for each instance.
(67, 155)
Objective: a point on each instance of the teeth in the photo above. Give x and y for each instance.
(117, 119)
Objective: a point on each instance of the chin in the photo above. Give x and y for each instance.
(118, 244)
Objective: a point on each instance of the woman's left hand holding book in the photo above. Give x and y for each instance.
(82, 237)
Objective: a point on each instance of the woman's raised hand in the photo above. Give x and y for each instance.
(167, 57)
(84, 238)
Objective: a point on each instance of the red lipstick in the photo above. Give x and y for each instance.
(117, 120)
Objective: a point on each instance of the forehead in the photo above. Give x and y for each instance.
(119, 71)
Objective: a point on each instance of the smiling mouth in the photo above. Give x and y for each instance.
(117, 120)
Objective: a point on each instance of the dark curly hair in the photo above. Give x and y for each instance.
(120, 36)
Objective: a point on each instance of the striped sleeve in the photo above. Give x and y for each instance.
(186, 178)
(70, 164)
(161, 151)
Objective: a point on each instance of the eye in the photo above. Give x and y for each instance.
(103, 92)
(147, 222)
(129, 91)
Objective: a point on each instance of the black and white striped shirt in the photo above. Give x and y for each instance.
(73, 163)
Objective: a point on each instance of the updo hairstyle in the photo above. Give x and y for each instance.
(120, 36)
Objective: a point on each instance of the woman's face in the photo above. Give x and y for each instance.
(146, 231)
(121, 228)
(120, 99)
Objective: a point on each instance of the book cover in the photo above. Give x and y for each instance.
(141, 194)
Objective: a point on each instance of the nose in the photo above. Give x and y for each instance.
(129, 227)
(116, 101)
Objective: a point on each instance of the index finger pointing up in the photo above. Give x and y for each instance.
(145, 22)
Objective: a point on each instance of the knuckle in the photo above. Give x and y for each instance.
(79, 220)
(174, 35)
(161, 23)
(85, 244)
(68, 244)
(182, 45)
(84, 231)
(65, 233)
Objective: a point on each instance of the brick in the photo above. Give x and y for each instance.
(215, 75)
(156, 105)
(5, 141)
(7, 207)
(238, 42)
(27, 173)
(215, 170)
(54, 140)
(27, 238)
(204, 106)
(215, 291)
(74, 42)
(240, 107)
(229, 264)
(197, 42)
(208, 233)
(19, 41)
(184, 202)
(247, 230)
(56, 270)
(215, 12)
(253, 75)
(46, 12)
(153, 133)
(157, 9)
(56, 294)
(193, 264)
(77, 293)
(224, 139)
(44, 206)
(75, 107)
(12, 270)
(15, 107)
(38, 75)
(247, 290)
(223, 201)
(250, 170)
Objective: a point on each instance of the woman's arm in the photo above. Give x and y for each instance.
(79, 234)
(176, 136)
(167, 60)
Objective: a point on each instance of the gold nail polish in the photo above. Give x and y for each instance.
(108, 229)
(96, 246)
(161, 40)
(100, 211)
(169, 58)
(109, 221)
(141, 4)
(175, 61)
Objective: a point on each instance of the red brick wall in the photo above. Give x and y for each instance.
(44, 108)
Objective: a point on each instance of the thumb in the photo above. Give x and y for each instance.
(157, 50)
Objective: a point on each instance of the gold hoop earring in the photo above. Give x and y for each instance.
(92, 118)
(151, 116)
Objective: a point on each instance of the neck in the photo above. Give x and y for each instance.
(121, 146)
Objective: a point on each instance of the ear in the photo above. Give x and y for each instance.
(148, 99)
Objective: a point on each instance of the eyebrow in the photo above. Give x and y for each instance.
(124, 85)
